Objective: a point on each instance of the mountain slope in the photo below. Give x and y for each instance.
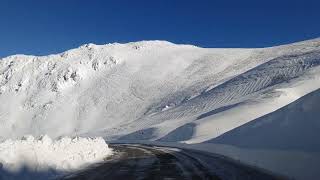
(117, 89)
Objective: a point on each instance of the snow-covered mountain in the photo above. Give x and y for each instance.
(156, 90)
(155, 86)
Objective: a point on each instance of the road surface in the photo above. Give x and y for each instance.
(150, 162)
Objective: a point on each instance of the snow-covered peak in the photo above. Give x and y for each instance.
(154, 44)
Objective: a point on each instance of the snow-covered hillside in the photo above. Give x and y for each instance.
(118, 89)
(156, 90)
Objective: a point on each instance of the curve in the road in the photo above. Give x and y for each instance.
(149, 162)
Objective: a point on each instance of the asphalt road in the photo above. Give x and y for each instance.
(150, 162)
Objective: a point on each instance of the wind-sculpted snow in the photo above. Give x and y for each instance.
(294, 127)
(276, 71)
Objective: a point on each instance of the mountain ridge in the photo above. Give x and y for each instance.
(137, 43)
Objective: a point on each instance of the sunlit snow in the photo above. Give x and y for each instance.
(43, 154)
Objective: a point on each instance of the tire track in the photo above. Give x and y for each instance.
(143, 162)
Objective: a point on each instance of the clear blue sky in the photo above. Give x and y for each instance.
(42, 27)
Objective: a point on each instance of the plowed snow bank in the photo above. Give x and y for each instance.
(41, 154)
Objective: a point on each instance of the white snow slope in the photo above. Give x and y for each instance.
(156, 90)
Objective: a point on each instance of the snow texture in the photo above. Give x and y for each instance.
(43, 154)
(160, 91)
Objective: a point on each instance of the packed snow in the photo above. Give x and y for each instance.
(157, 91)
(40, 155)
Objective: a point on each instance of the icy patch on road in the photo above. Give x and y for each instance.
(43, 154)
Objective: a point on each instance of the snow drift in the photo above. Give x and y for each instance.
(284, 141)
(43, 154)
(294, 127)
